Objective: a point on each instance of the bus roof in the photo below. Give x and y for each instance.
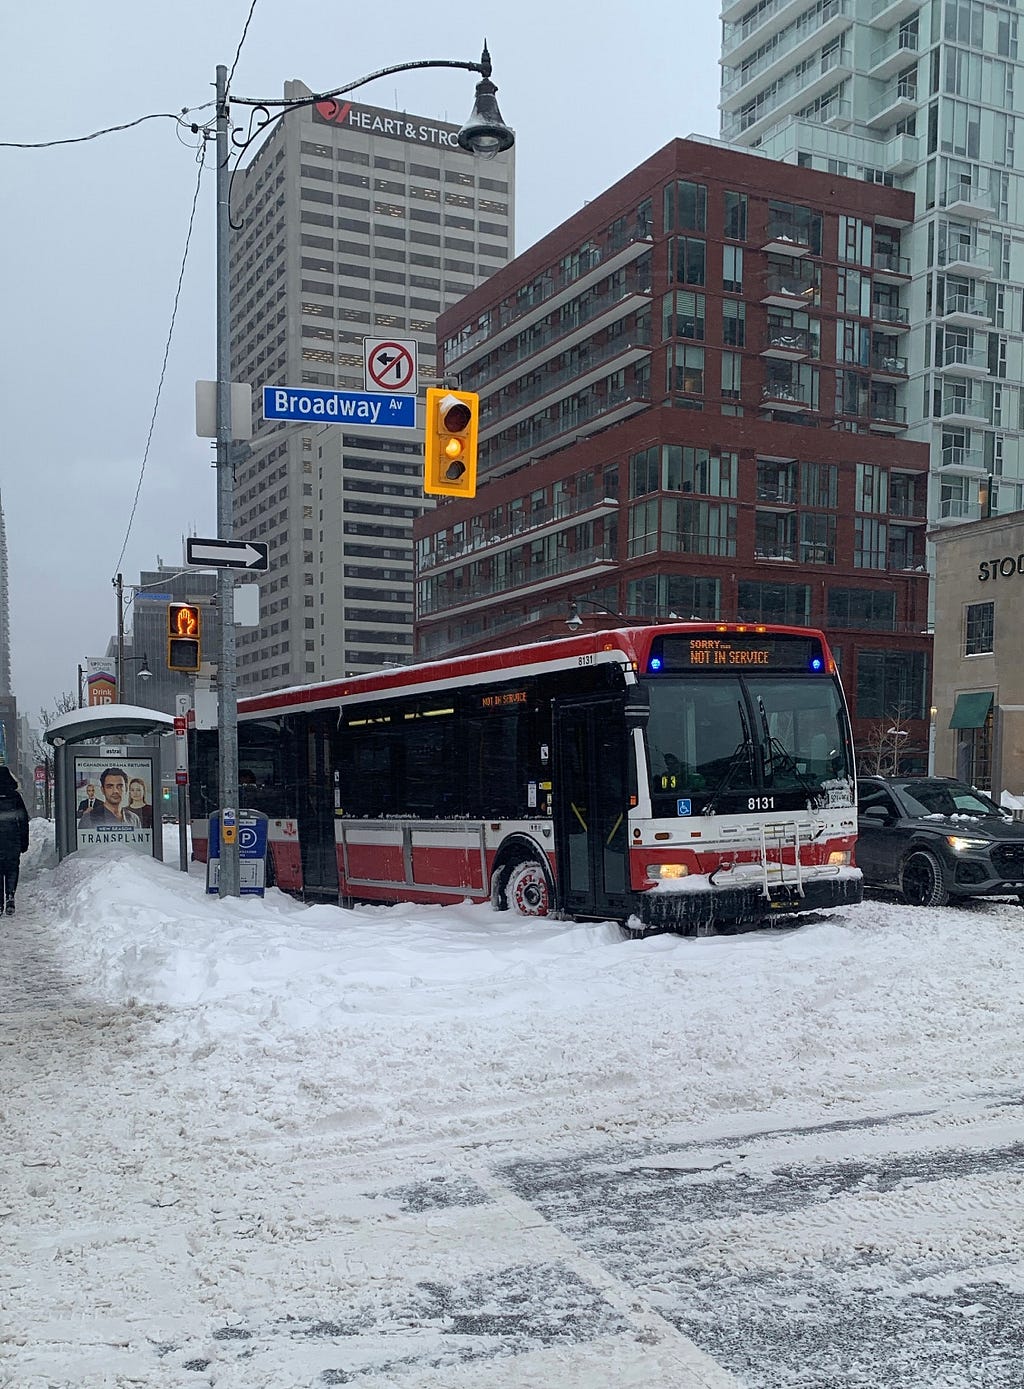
(629, 645)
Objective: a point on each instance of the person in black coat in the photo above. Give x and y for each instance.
(13, 836)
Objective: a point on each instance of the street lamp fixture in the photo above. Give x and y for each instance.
(575, 621)
(484, 134)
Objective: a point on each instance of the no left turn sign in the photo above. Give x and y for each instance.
(390, 365)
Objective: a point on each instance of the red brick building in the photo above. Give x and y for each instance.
(692, 404)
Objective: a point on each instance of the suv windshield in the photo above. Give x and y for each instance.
(945, 798)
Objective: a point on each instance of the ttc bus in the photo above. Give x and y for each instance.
(687, 777)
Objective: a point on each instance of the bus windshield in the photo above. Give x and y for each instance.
(716, 745)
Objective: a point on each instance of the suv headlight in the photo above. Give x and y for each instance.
(960, 845)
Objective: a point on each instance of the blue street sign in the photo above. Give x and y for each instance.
(339, 407)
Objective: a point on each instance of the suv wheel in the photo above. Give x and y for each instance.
(923, 882)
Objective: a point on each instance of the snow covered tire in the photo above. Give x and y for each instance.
(526, 889)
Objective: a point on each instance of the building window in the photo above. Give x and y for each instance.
(732, 366)
(870, 543)
(686, 205)
(735, 225)
(765, 602)
(891, 684)
(683, 315)
(868, 609)
(732, 269)
(686, 369)
(979, 629)
(689, 256)
(734, 322)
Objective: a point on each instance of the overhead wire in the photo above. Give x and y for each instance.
(163, 367)
(107, 130)
(238, 50)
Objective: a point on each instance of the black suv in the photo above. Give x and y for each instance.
(934, 839)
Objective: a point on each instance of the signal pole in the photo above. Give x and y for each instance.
(227, 713)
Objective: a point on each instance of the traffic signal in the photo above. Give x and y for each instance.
(450, 446)
(184, 624)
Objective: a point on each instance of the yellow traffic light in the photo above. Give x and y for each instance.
(450, 443)
(184, 630)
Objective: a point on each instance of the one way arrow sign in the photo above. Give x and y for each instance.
(227, 554)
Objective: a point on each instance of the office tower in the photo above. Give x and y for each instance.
(661, 432)
(355, 223)
(920, 96)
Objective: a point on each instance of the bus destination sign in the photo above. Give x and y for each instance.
(738, 651)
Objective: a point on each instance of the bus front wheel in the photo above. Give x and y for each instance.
(525, 888)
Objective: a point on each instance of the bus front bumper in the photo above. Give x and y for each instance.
(741, 907)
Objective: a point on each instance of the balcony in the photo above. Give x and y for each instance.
(906, 509)
(897, 104)
(781, 494)
(963, 361)
(789, 96)
(887, 364)
(887, 13)
(794, 43)
(787, 396)
(524, 580)
(893, 314)
(591, 317)
(789, 290)
(970, 462)
(532, 526)
(965, 311)
(766, 550)
(887, 417)
(789, 344)
(953, 512)
(787, 237)
(510, 320)
(732, 10)
(896, 52)
(964, 258)
(902, 154)
(546, 435)
(584, 371)
(963, 409)
(965, 198)
(890, 267)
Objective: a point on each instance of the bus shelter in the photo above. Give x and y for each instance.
(105, 786)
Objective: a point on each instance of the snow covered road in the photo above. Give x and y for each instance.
(257, 1144)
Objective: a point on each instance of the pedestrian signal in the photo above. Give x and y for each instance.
(450, 444)
(184, 630)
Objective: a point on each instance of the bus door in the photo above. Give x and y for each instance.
(591, 803)
(316, 811)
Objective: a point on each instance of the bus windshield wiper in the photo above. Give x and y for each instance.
(744, 752)
(777, 751)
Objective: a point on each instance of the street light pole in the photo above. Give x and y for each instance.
(227, 713)
(484, 134)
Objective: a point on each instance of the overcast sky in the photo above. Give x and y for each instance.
(93, 237)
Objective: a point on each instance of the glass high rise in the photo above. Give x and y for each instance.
(924, 96)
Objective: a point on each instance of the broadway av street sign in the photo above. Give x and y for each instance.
(339, 407)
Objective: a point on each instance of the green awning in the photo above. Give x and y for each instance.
(971, 710)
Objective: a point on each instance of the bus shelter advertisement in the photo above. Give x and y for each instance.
(113, 801)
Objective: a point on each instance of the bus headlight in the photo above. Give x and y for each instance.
(666, 870)
(839, 858)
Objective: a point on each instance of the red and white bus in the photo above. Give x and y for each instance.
(686, 776)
